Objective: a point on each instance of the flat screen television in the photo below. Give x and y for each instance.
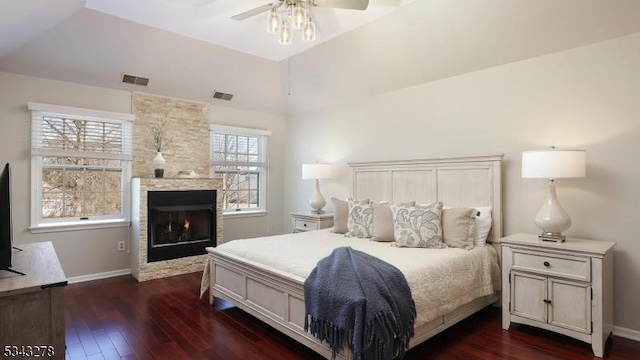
(6, 243)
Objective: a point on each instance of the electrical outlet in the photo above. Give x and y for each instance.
(120, 245)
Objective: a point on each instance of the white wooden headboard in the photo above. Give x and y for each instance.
(458, 181)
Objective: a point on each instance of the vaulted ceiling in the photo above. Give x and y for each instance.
(422, 41)
(213, 20)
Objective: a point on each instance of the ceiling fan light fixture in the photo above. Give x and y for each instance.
(284, 37)
(273, 21)
(299, 16)
(309, 31)
(285, 15)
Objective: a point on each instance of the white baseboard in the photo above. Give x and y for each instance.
(626, 333)
(98, 276)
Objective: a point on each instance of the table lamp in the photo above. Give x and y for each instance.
(553, 164)
(316, 172)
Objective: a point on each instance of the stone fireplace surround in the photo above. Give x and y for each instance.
(140, 268)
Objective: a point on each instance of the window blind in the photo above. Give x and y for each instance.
(69, 132)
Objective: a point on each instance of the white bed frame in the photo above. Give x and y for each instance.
(277, 298)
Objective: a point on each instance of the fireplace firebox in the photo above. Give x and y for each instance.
(180, 223)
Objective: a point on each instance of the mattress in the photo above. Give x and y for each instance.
(440, 279)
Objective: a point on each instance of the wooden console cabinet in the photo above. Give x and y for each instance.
(32, 305)
(562, 287)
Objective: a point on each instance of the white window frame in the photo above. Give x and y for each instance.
(264, 173)
(40, 224)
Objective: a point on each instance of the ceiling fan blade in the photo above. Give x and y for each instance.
(252, 12)
(343, 4)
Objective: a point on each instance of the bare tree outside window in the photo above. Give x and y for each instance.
(240, 159)
(76, 186)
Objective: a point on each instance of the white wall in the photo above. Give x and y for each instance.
(426, 41)
(95, 251)
(585, 98)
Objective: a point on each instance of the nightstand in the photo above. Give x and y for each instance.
(306, 221)
(562, 287)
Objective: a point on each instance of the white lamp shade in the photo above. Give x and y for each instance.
(553, 164)
(316, 171)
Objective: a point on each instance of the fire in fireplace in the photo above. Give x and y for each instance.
(181, 223)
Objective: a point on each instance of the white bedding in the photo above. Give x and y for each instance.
(440, 279)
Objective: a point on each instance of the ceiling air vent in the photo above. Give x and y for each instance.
(135, 80)
(222, 96)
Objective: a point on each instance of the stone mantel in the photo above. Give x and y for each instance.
(140, 268)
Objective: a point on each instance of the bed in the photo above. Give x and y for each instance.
(265, 276)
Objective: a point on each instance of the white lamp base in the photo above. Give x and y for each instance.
(317, 201)
(552, 219)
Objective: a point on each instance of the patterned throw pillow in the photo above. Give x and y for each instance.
(418, 226)
(360, 220)
(383, 221)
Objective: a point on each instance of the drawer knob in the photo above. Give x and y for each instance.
(546, 263)
(547, 301)
(305, 225)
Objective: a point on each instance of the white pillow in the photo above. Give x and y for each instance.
(483, 225)
(340, 215)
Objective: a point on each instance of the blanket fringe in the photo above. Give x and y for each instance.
(376, 332)
(382, 327)
(337, 338)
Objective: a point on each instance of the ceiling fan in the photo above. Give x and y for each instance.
(337, 4)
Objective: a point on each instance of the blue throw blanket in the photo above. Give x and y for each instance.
(357, 300)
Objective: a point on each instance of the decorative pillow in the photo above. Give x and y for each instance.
(418, 226)
(483, 225)
(383, 221)
(360, 220)
(340, 215)
(459, 227)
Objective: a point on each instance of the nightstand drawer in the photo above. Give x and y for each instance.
(570, 267)
(304, 225)
(304, 221)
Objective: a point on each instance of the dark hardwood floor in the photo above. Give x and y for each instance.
(120, 318)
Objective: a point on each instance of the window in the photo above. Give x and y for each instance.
(81, 165)
(240, 156)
